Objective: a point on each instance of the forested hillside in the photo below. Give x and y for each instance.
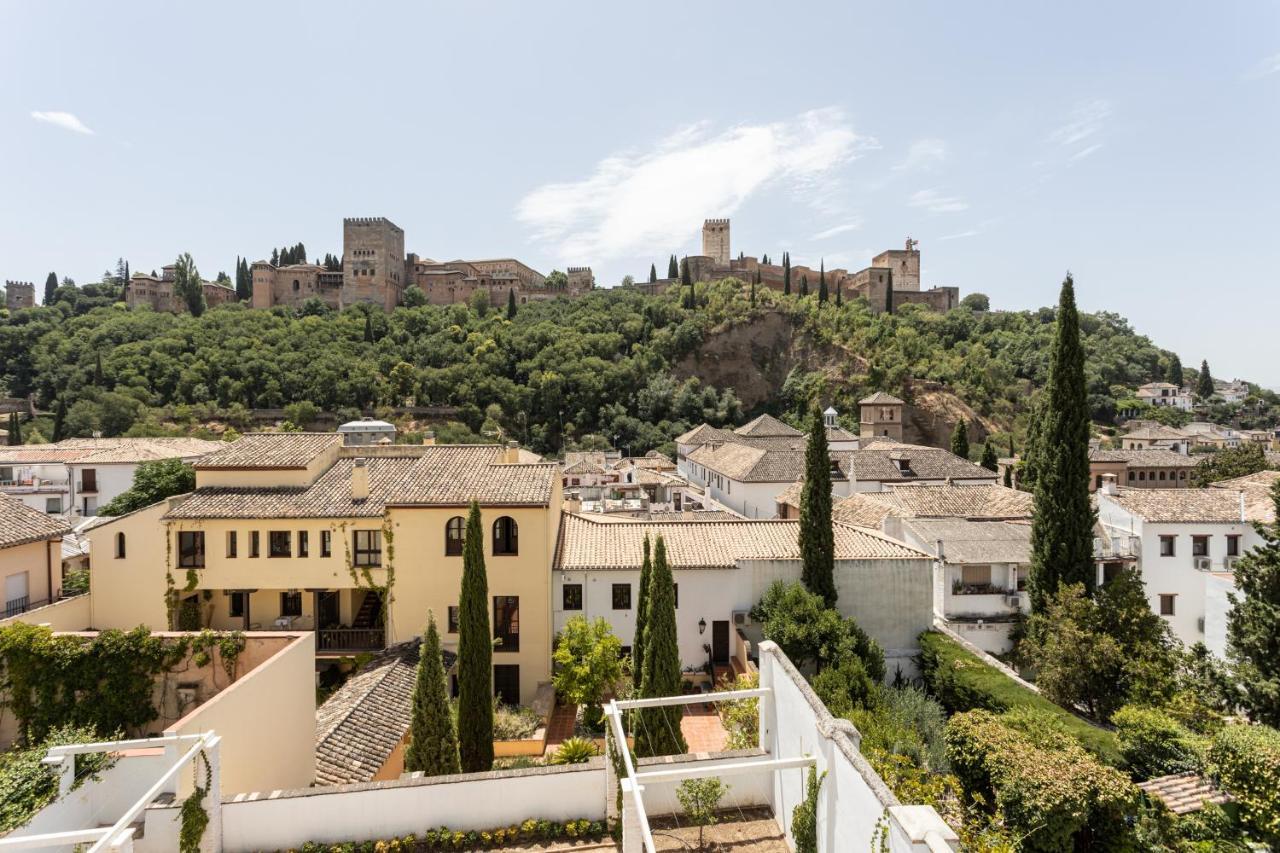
(630, 368)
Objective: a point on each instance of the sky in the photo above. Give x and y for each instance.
(1135, 145)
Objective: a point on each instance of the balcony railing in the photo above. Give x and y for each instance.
(1112, 547)
(351, 639)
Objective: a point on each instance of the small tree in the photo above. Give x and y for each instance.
(989, 460)
(475, 654)
(700, 799)
(1253, 625)
(588, 659)
(433, 743)
(786, 273)
(50, 287)
(511, 304)
(1174, 374)
(187, 284)
(1204, 382)
(817, 540)
(804, 817)
(152, 482)
(642, 617)
(960, 439)
(15, 430)
(653, 273)
(659, 728)
(822, 282)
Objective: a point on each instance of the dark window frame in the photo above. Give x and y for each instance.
(506, 614)
(625, 590)
(451, 625)
(326, 543)
(255, 543)
(571, 602)
(121, 545)
(1233, 544)
(455, 536)
(366, 548)
(304, 543)
(506, 537)
(1199, 545)
(191, 549)
(1172, 542)
(287, 600)
(236, 604)
(279, 544)
(232, 545)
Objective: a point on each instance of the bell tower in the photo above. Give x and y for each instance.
(715, 241)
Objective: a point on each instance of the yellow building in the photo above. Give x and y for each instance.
(297, 531)
(30, 556)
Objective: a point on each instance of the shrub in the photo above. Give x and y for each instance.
(804, 817)
(1246, 761)
(843, 687)
(741, 717)
(962, 681)
(1054, 799)
(575, 750)
(1153, 743)
(513, 722)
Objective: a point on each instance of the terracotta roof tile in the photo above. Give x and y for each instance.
(966, 541)
(105, 451)
(882, 399)
(1183, 793)
(767, 425)
(20, 524)
(272, 450)
(881, 462)
(1176, 505)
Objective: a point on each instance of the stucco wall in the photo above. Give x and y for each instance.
(40, 561)
(69, 614)
(100, 802)
(129, 592)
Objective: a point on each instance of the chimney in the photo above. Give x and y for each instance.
(359, 479)
(1108, 484)
(942, 556)
(512, 454)
(429, 438)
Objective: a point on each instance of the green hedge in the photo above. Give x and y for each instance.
(1155, 744)
(1246, 761)
(962, 681)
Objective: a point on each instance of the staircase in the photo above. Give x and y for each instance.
(367, 616)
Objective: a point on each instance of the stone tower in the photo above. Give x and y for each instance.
(904, 264)
(19, 294)
(373, 268)
(715, 241)
(881, 416)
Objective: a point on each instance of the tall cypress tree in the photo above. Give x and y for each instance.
(50, 287)
(786, 273)
(15, 431)
(817, 541)
(1204, 382)
(511, 304)
(960, 439)
(822, 281)
(642, 617)
(433, 743)
(686, 277)
(804, 285)
(1253, 625)
(754, 281)
(839, 297)
(673, 269)
(658, 729)
(1175, 371)
(1062, 528)
(60, 420)
(475, 654)
(653, 273)
(989, 460)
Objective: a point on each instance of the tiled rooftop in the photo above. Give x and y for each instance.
(1176, 505)
(1259, 505)
(767, 425)
(272, 450)
(880, 462)
(105, 451)
(20, 524)
(1158, 457)
(880, 398)
(1183, 793)
(966, 541)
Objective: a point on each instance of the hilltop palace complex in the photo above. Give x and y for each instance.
(376, 270)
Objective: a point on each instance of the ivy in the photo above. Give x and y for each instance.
(193, 816)
(362, 576)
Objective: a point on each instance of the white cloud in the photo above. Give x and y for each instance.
(1265, 68)
(1086, 120)
(935, 202)
(637, 199)
(1084, 152)
(972, 232)
(66, 121)
(923, 154)
(852, 225)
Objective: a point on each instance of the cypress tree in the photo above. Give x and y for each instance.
(817, 541)
(989, 460)
(822, 281)
(686, 278)
(1062, 528)
(1204, 383)
(673, 270)
(804, 285)
(1175, 371)
(658, 729)
(839, 297)
(1008, 477)
(753, 288)
(642, 617)
(433, 743)
(1253, 624)
(475, 654)
(275, 258)
(653, 273)
(960, 439)
(511, 304)
(786, 273)
(50, 287)
(60, 420)
(15, 431)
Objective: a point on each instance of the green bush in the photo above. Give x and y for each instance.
(962, 681)
(904, 721)
(575, 750)
(843, 687)
(1153, 743)
(1246, 762)
(1053, 799)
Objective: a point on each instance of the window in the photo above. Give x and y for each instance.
(506, 623)
(120, 546)
(280, 543)
(506, 683)
(572, 596)
(53, 505)
(454, 530)
(453, 619)
(254, 540)
(1199, 546)
(1166, 604)
(622, 596)
(290, 604)
(237, 604)
(506, 540)
(368, 547)
(1142, 475)
(1182, 475)
(231, 543)
(1161, 475)
(304, 543)
(191, 549)
(326, 543)
(1166, 546)
(1233, 546)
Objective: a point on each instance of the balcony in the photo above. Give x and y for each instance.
(1117, 547)
(333, 640)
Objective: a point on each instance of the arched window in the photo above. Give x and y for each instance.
(454, 533)
(119, 546)
(505, 537)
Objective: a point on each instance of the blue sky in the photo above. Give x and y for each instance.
(1134, 144)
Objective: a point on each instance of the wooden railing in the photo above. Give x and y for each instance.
(351, 639)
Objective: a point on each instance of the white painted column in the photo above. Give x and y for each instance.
(632, 838)
(919, 829)
(212, 840)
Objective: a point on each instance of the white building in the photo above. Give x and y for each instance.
(1188, 541)
(1165, 394)
(77, 475)
(722, 569)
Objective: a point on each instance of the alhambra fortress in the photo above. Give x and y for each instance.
(376, 271)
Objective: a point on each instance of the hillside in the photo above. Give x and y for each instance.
(624, 367)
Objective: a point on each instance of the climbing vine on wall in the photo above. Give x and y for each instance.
(362, 576)
(194, 819)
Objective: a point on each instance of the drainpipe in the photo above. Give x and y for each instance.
(48, 564)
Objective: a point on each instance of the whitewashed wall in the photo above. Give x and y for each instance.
(1217, 606)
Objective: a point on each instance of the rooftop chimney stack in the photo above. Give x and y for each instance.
(360, 479)
(512, 454)
(429, 438)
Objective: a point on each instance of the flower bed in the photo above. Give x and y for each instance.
(444, 838)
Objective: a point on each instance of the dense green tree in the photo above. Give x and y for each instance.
(433, 742)
(673, 268)
(511, 304)
(475, 654)
(653, 273)
(187, 284)
(976, 302)
(658, 729)
(822, 281)
(60, 420)
(1204, 382)
(1175, 370)
(817, 540)
(1248, 458)
(1253, 624)
(588, 665)
(989, 459)
(152, 482)
(812, 634)
(50, 287)
(15, 429)
(1062, 529)
(960, 439)
(786, 273)
(804, 285)
(642, 617)
(414, 297)
(686, 277)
